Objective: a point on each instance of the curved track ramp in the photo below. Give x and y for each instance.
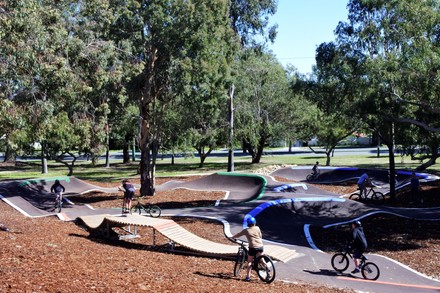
(180, 236)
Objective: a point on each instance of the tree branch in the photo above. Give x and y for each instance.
(418, 123)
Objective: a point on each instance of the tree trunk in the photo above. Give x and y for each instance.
(146, 102)
(107, 146)
(231, 130)
(328, 155)
(147, 184)
(432, 159)
(257, 158)
(126, 150)
(10, 156)
(392, 171)
(43, 162)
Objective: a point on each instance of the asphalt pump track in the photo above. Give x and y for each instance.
(284, 212)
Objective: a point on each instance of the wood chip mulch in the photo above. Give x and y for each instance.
(48, 255)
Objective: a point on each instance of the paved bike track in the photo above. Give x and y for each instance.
(283, 212)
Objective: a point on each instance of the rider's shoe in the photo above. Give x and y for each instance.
(247, 279)
(355, 271)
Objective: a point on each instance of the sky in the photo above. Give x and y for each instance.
(302, 26)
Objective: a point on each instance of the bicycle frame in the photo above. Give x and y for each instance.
(370, 194)
(262, 264)
(369, 191)
(148, 208)
(340, 262)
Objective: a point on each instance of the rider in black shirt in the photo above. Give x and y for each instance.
(359, 243)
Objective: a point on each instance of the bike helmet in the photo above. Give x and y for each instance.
(357, 223)
(251, 221)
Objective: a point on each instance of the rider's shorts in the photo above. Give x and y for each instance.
(254, 250)
(357, 253)
(129, 194)
(361, 186)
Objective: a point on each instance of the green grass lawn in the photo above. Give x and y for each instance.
(185, 166)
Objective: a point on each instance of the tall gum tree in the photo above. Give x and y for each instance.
(384, 47)
(262, 89)
(161, 36)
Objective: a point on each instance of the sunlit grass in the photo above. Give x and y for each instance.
(185, 166)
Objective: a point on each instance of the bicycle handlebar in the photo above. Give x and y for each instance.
(238, 241)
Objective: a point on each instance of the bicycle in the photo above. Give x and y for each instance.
(58, 202)
(340, 263)
(262, 264)
(148, 208)
(312, 176)
(375, 196)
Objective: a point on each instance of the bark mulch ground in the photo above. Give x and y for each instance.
(48, 255)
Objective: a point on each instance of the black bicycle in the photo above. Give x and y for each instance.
(370, 195)
(340, 262)
(312, 176)
(262, 264)
(148, 209)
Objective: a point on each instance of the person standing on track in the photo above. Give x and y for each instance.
(255, 240)
(128, 190)
(359, 244)
(58, 190)
(362, 184)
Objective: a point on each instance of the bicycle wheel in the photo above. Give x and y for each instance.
(265, 268)
(340, 262)
(155, 211)
(240, 260)
(370, 271)
(309, 177)
(58, 206)
(355, 196)
(378, 197)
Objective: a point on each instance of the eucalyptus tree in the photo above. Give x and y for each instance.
(32, 70)
(203, 100)
(12, 129)
(389, 47)
(330, 122)
(262, 92)
(250, 21)
(297, 111)
(167, 37)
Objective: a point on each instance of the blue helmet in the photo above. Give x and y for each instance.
(251, 221)
(357, 223)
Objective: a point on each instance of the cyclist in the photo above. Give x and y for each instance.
(58, 189)
(362, 184)
(254, 238)
(128, 190)
(359, 244)
(315, 170)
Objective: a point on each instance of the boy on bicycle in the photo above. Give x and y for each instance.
(359, 244)
(254, 238)
(315, 170)
(362, 184)
(58, 189)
